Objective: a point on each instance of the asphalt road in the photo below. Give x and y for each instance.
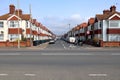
(60, 61)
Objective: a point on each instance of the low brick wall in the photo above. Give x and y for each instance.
(2, 44)
(110, 44)
(15, 44)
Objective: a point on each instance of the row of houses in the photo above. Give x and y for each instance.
(15, 25)
(102, 30)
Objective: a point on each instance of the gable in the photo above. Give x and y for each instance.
(115, 17)
(13, 17)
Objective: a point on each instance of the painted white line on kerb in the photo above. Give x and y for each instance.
(97, 75)
(30, 75)
(3, 74)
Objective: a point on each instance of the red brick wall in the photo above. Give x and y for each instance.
(113, 31)
(110, 44)
(15, 44)
(2, 44)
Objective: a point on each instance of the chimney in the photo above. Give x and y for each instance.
(113, 8)
(20, 12)
(34, 21)
(11, 9)
(106, 12)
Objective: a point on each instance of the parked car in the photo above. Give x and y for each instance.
(52, 41)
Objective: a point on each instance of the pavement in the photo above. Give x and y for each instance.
(44, 45)
(39, 47)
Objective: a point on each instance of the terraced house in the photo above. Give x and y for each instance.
(18, 26)
(102, 30)
(107, 27)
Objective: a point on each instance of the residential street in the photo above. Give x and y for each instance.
(60, 61)
(59, 40)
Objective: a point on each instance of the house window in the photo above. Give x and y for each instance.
(28, 36)
(13, 23)
(27, 24)
(113, 37)
(100, 24)
(13, 37)
(114, 23)
(1, 24)
(1, 36)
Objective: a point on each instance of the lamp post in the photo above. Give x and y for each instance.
(70, 33)
(18, 25)
(30, 25)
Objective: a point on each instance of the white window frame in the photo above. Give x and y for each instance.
(113, 22)
(1, 36)
(1, 24)
(13, 36)
(27, 24)
(13, 24)
(114, 37)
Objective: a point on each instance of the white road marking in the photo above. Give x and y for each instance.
(3, 74)
(72, 46)
(64, 46)
(97, 75)
(67, 54)
(82, 54)
(30, 75)
(9, 54)
(118, 54)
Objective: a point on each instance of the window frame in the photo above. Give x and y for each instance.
(1, 24)
(13, 24)
(1, 36)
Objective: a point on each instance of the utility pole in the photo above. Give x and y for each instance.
(30, 25)
(18, 25)
(69, 30)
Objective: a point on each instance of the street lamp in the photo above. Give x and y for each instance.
(30, 25)
(70, 32)
(18, 24)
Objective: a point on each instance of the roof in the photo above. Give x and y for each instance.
(104, 16)
(5, 16)
(91, 21)
(23, 16)
(84, 24)
(107, 13)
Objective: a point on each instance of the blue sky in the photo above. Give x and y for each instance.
(57, 14)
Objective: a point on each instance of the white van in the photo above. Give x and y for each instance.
(72, 39)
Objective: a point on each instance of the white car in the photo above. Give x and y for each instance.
(52, 41)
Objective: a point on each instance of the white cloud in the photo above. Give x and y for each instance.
(76, 17)
(59, 25)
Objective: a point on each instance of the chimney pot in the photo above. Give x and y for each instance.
(11, 9)
(113, 8)
(20, 12)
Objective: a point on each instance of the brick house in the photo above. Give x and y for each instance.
(82, 32)
(103, 30)
(107, 27)
(90, 30)
(15, 25)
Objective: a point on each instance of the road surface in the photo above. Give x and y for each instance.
(60, 61)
